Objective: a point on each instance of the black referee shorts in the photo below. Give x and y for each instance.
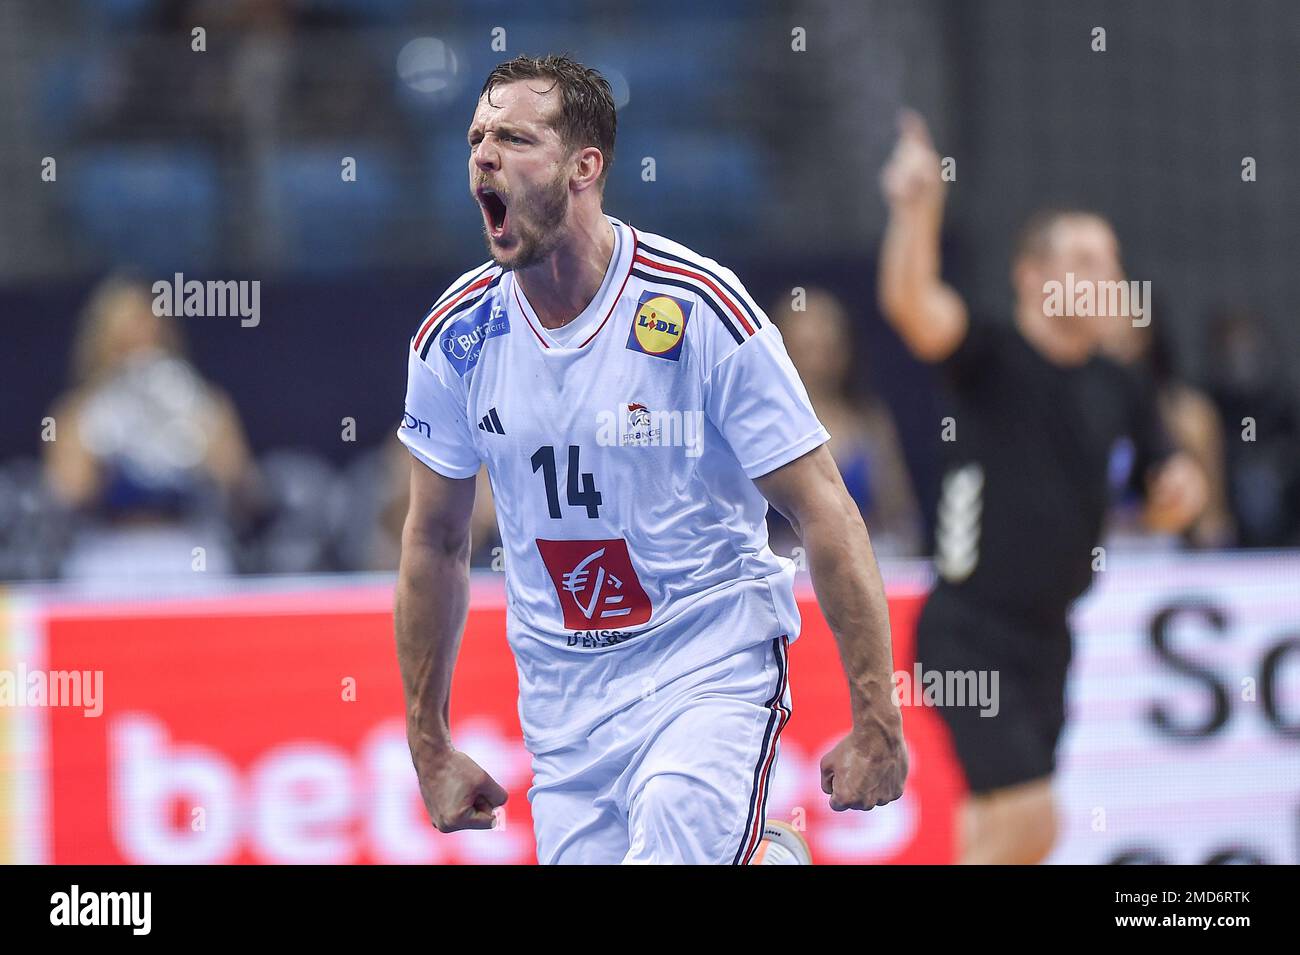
(1018, 744)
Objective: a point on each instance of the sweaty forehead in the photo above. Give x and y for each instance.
(530, 102)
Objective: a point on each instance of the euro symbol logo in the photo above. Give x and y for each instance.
(575, 582)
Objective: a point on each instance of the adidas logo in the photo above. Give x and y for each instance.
(491, 423)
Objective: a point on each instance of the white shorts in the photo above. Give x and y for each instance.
(679, 777)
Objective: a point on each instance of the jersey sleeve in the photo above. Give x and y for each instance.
(434, 425)
(754, 398)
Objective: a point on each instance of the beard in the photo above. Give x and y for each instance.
(536, 221)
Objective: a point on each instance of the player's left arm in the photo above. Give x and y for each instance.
(869, 766)
(754, 398)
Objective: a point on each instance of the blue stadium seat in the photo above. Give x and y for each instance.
(68, 83)
(530, 17)
(678, 10)
(665, 74)
(704, 182)
(151, 206)
(119, 13)
(364, 11)
(328, 223)
(448, 162)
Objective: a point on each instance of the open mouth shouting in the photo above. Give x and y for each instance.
(496, 213)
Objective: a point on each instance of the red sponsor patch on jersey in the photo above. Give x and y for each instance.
(596, 583)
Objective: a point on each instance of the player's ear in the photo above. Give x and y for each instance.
(589, 164)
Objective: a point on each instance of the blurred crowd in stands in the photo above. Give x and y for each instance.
(237, 146)
(148, 474)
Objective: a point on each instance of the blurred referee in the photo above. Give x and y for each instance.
(1034, 414)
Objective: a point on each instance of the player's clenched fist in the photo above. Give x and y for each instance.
(912, 176)
(457, 793)
(866, 769)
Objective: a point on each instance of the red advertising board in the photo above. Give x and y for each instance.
(269, 730)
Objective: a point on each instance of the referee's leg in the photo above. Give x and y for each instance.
(1013, 825)
(1009, 816)
(1008, 758)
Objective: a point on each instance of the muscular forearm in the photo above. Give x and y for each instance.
(868, 767)
(852, 599)
(429, 612)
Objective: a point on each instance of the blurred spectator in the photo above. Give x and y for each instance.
(146, 453)
(394, 498)
(33, 527)
(863, 441)
(485, 541)
(1248, 383)
(1190, 419)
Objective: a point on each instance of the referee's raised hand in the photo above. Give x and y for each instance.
(911, 176)
(929, 316)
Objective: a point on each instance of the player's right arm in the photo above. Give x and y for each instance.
(928, 314)
(432, 597)
(429, 613)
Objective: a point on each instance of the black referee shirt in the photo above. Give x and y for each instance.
(1025, 486)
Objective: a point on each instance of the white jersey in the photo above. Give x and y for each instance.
(621, 451)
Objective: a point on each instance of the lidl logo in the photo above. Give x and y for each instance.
(659, 326)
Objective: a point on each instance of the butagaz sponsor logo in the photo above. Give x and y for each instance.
(72, 689)
(462, 342)
(74, 907)
(978, 688)
(415, 424)
(1084, 298)
(177, 298)
(633, 425)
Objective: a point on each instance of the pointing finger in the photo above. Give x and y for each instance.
(912, 126)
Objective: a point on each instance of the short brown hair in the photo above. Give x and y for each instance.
(587, 116)
(1034, 240)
